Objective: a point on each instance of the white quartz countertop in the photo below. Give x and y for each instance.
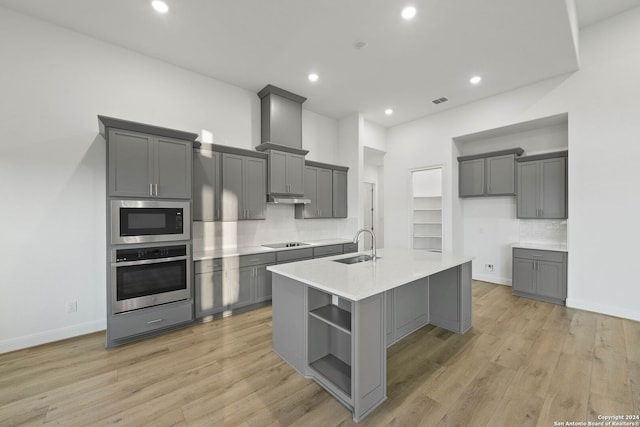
(252, 250)
(396, 267)
(561, 247)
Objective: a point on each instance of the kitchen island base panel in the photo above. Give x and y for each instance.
(450, 306)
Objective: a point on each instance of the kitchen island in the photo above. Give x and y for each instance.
(333, 322)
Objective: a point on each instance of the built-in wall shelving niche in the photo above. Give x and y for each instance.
(426, 213)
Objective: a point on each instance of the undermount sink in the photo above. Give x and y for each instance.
(355, 259)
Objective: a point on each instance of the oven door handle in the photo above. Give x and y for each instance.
(149, 261)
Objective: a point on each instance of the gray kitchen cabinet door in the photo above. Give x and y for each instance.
(278, 183)
(206, 185)
(553, 188)
(410, 307)
(295, 174)
(262, 283)
(339, 185)
(244, 295)
(311, 192)
(324, 193)
(524, 279)
(549, 279)
(501, 175)
(130, 164)
(528, 193)
(286, 173)
(232, 186)
(471, 178)
(255, 188)
(172, 168)
(208, 293)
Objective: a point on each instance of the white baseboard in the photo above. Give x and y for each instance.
(491, 278)
(26, 341)
(603, 309)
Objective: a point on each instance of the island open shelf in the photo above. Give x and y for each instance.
(334, 316)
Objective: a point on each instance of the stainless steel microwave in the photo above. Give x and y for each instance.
(149, 221)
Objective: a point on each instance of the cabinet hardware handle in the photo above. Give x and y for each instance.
(537, 256)
(151, 189)
(156, 189)
(151, 322)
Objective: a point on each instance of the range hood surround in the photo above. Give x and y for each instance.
(281, 114)
(281, 131)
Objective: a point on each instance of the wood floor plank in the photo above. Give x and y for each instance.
(632, 339)
(523, 363)
(480, 398)
(568, 395)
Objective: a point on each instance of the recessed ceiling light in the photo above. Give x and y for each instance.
(160, 6)
(408, 12)
(475, 80)
(388, 111)
(313, 77)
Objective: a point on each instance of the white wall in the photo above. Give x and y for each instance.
(601, 100)
(52, 165)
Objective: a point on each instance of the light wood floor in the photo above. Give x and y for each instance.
(524, 363)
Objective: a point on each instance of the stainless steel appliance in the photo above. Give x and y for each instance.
(145, 221)
(148, 276)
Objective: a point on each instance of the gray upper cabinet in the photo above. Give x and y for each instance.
(542, 186)
(143, 165)
(286, 173)
(255, 188)
(488, 174)
(207, 187)
(340, 194)
(500, 175)
(318, 189)
(472, 178)
(244, 187)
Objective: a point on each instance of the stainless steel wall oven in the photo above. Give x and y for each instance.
(146, 221)
(148, 276)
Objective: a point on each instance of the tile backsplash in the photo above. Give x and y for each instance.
(543, 231)
(279, 226)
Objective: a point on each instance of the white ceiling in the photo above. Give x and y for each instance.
(407, 64)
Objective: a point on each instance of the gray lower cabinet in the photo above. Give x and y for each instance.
(348, 248)
(244, 187)
(154, 319)
(339, 185)
(207, 179)
(286, 173)
(411, 303)
(488, 174)
(542, 187)
(540, 275)
(324, 251)
(232, 283)
(143, 165)
(294, 255)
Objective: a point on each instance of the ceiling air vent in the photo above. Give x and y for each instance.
(440, 100)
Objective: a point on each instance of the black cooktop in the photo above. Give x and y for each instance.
(285, 245)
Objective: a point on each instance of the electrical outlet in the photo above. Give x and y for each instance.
(488, 268)
(72, 307)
